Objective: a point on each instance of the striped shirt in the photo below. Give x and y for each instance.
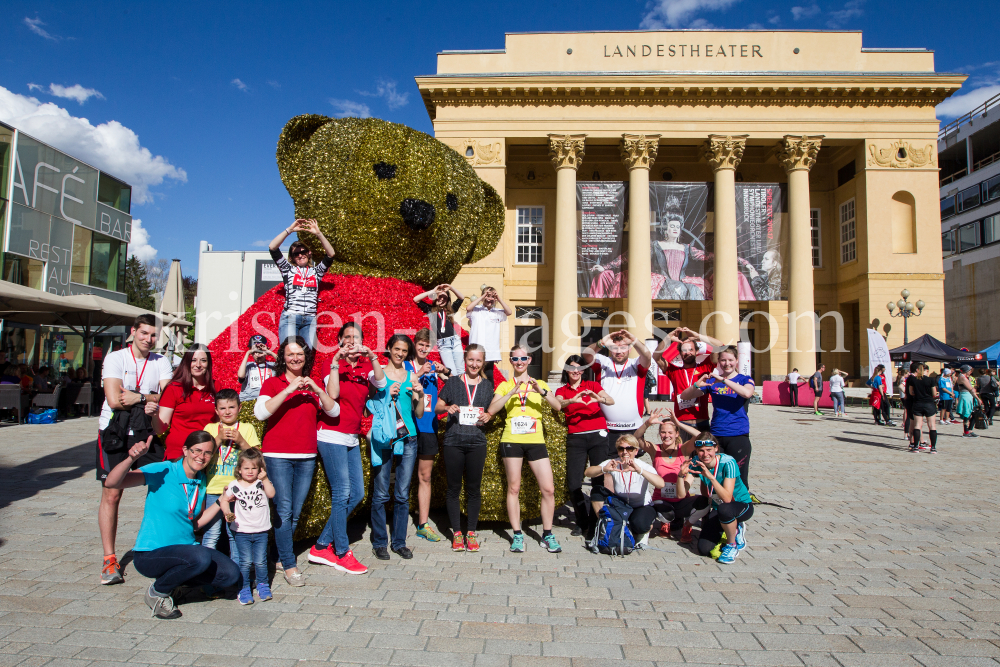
(301, 283)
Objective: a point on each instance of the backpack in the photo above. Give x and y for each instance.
(613, 535)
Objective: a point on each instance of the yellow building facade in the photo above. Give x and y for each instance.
(850, 134)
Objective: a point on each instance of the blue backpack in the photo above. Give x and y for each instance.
(613, 535)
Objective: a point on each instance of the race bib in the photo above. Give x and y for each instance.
(669, 490)
(427, 403)
(686, 404)
(469, 416)
(401, 430)
(523, 425)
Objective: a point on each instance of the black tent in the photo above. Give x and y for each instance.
(929, 348)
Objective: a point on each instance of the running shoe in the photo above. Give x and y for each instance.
(294, 578)
(471, 543)
(933, 450)
(717, 550)
(111, 573)
(324, 556)
(458, 542)
(818, 413)
(970, 434)
(349, 564)
(728, 554)
(741, 536)
(263, 591)
(162, 605)
(665, 530)
(517, 544)
(425, 531)
(924, 447)
(245, 596)
(551, 544)
(686, 534)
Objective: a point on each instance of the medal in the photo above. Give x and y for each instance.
(138, 375)
(617, 374)
(192, 502)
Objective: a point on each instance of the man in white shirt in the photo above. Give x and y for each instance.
(132, 376)
(623, 379)
(485, 322)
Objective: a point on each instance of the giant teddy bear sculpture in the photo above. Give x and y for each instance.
(404, 212)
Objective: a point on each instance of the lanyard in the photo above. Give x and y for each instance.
(471, 394)
(260, 376)
(710, 487)
(443, 317)
(617, 374)
(192, 502)
(232, 444)
(523, 398)
(138, 375)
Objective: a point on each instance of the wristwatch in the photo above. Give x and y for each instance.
(545, 392)
(142, 399)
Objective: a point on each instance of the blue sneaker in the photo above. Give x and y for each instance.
(552, 544)
(246, 596)
(729, 554)
(517, 544)
(263, 591)
(741, 536)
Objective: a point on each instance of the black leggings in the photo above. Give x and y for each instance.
(793, 394)
(989, 405)
(464, 461)
(581, 447)
(641, 520)
(676, 511)
(737, 446)
(711, 527)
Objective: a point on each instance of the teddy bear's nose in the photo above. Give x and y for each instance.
(417, 214)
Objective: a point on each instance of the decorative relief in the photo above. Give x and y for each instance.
(566, 150)
(639, 150)
(901, 155)
(796, 152)
(724, 151)
(478, 153)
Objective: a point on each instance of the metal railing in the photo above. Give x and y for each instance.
(967, 117)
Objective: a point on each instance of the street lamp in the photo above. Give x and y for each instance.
(906, 311)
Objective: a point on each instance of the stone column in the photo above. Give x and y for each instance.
(638, 154)
(566, 151)
(797, 155)
(723, 153)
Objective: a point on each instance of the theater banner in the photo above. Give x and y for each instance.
(760, 243)
(679, 260)
(601, 207)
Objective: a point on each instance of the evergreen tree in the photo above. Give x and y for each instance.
(137, 286)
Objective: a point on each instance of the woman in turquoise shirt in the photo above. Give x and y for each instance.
(166, 549)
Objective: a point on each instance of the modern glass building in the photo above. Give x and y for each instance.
(65, 227)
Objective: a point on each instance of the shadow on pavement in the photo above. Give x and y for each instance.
(29, 479)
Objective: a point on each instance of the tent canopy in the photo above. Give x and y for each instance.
(992, 353)
(929, 348)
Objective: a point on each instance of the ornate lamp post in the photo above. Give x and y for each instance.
(906, 311)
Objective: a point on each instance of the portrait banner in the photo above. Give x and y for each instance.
(759, 242)
(679, 260)
(601, 208)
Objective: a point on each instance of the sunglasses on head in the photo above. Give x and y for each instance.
(519, 358)
(626, 449)
(704, 443)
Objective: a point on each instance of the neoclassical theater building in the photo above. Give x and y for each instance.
(843, 137)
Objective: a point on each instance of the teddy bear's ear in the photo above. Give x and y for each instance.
(296, 134)
(490, 225)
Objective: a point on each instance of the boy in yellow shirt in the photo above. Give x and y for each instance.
(231, 437)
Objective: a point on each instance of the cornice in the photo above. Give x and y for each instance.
(681, 89)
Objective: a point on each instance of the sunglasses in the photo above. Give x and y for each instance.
(704, 443)
(626, 449)
(519, 358)
(299, 253)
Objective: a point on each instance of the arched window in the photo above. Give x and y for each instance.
(904, 223)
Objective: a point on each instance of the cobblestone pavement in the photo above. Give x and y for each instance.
(886, 558)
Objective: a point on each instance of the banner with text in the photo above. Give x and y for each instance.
(601, 208)
(760, 243)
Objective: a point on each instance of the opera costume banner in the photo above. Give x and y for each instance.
(679, 260)
(760, 244)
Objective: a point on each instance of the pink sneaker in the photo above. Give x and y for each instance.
(323, 556)
(349, 564)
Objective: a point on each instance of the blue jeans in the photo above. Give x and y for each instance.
(838, 401)
(252, 550)
(292, 479)
(401, 495)
(450, 349)
(210, 538)
(297, 324)
(190, 564)
(347, 490)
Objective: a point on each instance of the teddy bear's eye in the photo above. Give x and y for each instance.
(452, 202)
(384, 171)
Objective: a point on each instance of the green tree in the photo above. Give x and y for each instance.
(137, 287)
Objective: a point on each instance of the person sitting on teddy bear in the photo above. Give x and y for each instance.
(301, 281)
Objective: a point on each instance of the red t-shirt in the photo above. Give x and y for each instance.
(190, 414)
(582, 417)
(681, 378)
(354, 385)
(292, 428)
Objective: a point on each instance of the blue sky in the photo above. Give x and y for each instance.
(186, 100)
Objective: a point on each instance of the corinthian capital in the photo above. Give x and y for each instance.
(796, 152)
(566, 150)
(639, 150)
(724, 151)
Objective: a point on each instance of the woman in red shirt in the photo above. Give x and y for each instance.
(588, 435)
(188, 402)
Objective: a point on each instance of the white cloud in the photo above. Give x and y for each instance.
(387, 90)
(35, 26)
(680, 13)
(956, 105)
(139, 246)
(109, 146)
(852, 9)
(260, 244)
(799, 13)
(240, 85)
(274, 84)
(774, 20)
(345, 108)
(74, 92)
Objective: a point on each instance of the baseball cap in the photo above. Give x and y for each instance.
(256, 339)
(947, 371)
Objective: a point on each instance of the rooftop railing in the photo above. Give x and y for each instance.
(967, 117)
